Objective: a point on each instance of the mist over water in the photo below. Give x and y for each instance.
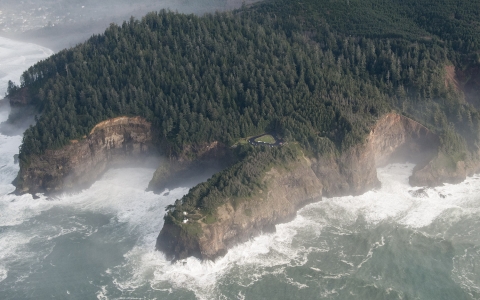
(99, 243)
(62, 23)
(16, 57)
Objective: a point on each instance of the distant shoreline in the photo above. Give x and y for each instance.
(12, 50)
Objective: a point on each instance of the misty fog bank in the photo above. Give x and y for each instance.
(59, 24)
(19, 118)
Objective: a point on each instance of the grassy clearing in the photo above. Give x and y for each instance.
(209, 219)
(242, 141)
(266, 139)
(192, 229)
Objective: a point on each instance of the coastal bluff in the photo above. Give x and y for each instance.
(393, 138)
(287, 188)
(80, 163)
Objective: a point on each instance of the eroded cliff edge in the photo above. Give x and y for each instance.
(288, 188)
(79, 164)
(193, 162)
(115, 142)
(283, 190)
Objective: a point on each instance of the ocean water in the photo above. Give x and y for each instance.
(99, 243)
(16, 57)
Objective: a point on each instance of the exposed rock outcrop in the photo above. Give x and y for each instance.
(419, 193)
(193, 162)
(394, 138)
(287, 188)
(398, 138)
(444, 169)
(352, 172)
(82, 162)
(290, 188)
(20, 98)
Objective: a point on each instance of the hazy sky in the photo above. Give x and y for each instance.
(63, 23)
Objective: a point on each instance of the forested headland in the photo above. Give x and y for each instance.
(316, 73)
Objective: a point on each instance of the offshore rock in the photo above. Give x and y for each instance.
(82, 162)
(442, 169)
(420, 193)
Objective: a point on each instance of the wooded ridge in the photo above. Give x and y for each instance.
(318, 74)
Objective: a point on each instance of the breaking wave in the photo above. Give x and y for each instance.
(390, 243)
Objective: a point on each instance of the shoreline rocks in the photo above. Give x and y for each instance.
(288, 188)
(394, 137)
(79, 164)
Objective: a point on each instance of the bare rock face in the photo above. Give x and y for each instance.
(21, 98)
(441, 169)
(194, 161)
(352, 173)
(289, 189)
(82, 162)
(397, 137)
(394, 137)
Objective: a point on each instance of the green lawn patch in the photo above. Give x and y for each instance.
(266, 139)
(243, 141)
(209, 219)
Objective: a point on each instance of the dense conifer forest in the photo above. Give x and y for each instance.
(317, 73)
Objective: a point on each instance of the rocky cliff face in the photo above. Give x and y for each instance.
(444, 169)
(394, 137)
(194, 161)
(290, 188)
(20, 98)
(352, 172)
(397, 137)
(82, 162)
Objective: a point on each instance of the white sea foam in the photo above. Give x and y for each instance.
(121, 193)
(146, 266)
(16, 57)
(270, 253)
(11, 245)
(3, 273)
(394, 202)
(9, 242)
(102, 294)
(465, 272)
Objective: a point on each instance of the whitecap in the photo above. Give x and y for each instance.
(16, 57)
(272, 253)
